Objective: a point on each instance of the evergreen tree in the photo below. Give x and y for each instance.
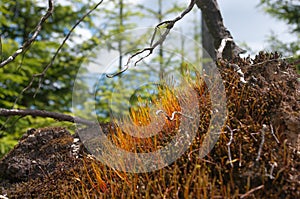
(119, 38)
(159, 12)
(288, 11)
(53, 90)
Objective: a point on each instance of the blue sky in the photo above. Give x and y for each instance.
(249, 23)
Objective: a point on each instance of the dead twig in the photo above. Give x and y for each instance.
(29, 42)
(251, 191)
(3, 197)
(0, 47)
(202, 159)
(272, 132)
(270, 175)
(262, 142)
(173, 114)
(169, 25)
(241, 154)
(228, 145)
(42, 113)
(252, 135)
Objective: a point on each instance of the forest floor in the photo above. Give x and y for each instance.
(257, 154)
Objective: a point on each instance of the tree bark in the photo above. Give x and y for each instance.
(42, 113)
(213, 19)
(207, 41)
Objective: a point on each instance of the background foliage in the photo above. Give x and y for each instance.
(18, 19)
(288, 11)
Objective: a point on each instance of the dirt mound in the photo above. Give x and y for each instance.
(256, 156)
(38, 153)
(276, 77)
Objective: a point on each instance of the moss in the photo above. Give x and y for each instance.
(260, 131)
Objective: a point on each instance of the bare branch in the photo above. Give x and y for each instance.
(129, 60)
(241, 154)
(173, 114)
(43, 73)
(262, 142)
(272, 132)
(228, 145)
(42, 113)
(251, 191)
(37, 30)
(252, 135)
(3, 197)
(0, 47)
(270, 175)
(169, 25)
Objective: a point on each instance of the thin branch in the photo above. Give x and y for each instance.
(169, 25)
(228, 145)
(241, 154)
(0, 47)
(43, 73)
(252, 135)
(272, 132)
(42, 113)
(29, 42)
(262, 142)
(3, 197)
(12, 122)
(173, 114)
(195, 150)
(270, 175)
(251, 191)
